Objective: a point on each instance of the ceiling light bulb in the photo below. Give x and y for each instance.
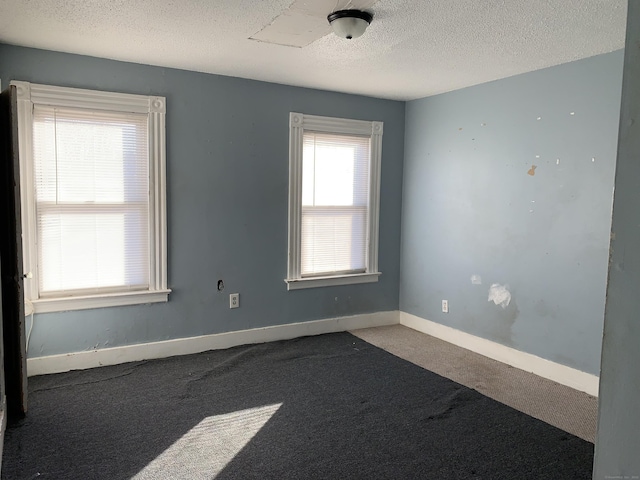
(349, 23)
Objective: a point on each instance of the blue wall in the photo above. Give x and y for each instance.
(468, 205)
(471, 208)
(227, 167)
(618, 440)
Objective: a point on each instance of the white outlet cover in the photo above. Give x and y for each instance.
(234, 300)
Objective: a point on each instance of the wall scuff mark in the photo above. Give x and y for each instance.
(500, 295)
(476, 279)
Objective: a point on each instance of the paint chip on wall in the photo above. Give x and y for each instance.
(532, 170)
(500, 295)
(476, 279)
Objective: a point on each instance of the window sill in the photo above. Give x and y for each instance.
(48, 305)
(313, 282)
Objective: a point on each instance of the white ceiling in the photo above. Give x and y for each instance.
(413, 48)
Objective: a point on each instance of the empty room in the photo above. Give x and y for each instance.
(318, 239)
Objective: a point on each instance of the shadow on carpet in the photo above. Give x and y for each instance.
(325, 407)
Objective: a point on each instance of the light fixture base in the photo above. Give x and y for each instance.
(349, 23)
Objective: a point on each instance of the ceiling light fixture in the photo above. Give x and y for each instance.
(349, 23)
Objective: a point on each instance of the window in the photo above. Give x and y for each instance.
(92, 167)
(334, 183)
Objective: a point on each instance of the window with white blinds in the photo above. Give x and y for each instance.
(333, 201)
(92, 199)
(92, 180)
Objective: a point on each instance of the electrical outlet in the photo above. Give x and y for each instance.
(445, 306)
(234, 300)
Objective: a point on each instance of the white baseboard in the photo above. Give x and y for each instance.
(185, 346)
(559, 373)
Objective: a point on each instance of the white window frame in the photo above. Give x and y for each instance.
(30, 94)
(298, 124)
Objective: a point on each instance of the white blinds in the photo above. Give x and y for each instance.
(335, 199)
(92, 199)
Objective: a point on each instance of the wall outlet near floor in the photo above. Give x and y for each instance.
(234, 300)
(445, 306)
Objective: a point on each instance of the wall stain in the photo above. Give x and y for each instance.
(544, 310)
(505, 319)
(532, 170)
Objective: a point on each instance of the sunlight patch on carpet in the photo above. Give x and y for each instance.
(204, 451)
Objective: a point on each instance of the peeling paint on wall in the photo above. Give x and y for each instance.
(500, 295)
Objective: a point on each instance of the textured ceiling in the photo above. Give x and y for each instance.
(413, 48)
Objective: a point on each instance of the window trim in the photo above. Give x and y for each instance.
(154, 107)
(298, 123)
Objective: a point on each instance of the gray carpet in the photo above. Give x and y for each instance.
(324, 407)
(563, 407)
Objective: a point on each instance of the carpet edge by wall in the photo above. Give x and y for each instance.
(185, 346)
(556, 372)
